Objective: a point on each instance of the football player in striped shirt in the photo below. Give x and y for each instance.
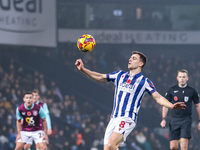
(130, 87)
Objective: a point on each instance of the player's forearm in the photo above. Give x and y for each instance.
(94, 75)
(161, 100)
(48, 120)
(164, 112)
(45, 126)
(164, 102)
(18, 124)
(198, 109)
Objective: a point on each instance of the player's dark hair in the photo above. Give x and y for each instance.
(183, 71)
(143, 58)
(28, 92)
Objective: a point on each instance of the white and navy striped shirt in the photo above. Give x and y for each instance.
(129, 91)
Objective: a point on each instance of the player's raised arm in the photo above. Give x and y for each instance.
(92, 74)
(164, 102)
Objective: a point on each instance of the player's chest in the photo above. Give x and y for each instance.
(32, 113)
(181, 95)
(128, 85)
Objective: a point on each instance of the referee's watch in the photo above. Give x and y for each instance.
(163, 118)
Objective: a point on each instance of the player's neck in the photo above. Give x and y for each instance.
(134, 71)
(182, 85)
(29, 106)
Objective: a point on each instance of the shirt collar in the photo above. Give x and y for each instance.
(27, 107)
(135, 76)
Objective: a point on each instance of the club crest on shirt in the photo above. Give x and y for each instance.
(186, 98)
(138, 81)
(175, 98)
(35, 112)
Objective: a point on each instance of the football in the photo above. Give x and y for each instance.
(86, 43)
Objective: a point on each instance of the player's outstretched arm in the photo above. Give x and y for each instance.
(164, 102)
(92, 74)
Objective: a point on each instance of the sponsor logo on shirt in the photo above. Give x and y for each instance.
(126, 87)
(30, 121)
(23, 113)
(176, 91)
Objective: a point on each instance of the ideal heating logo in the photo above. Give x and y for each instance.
(23, 16)
(126, 87)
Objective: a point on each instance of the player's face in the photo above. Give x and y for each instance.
(28, 99)
(182, 79)
(134, 62)
(35, 97)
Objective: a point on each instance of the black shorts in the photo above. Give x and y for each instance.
(180, 128)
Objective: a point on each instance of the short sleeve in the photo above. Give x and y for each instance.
(18, 115)
(195, 97)
(42, 113)
(168, 95)
(150, 88)
(111, 77)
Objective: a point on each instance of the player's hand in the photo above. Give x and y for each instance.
(163, 123)
(79, 64)
(18, 137)
(49, 131)
(179, 105)
(45, 137)
(199, 126)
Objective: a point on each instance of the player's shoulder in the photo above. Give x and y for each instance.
(190, 88)
(36, 106)
(119, 72)
(21, 106)
(41, 103)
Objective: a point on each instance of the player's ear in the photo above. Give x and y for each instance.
(141, 64)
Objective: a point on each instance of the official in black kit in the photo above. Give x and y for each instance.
(181, 120)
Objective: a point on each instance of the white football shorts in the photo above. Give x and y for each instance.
(28, 137)
(121, 125)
